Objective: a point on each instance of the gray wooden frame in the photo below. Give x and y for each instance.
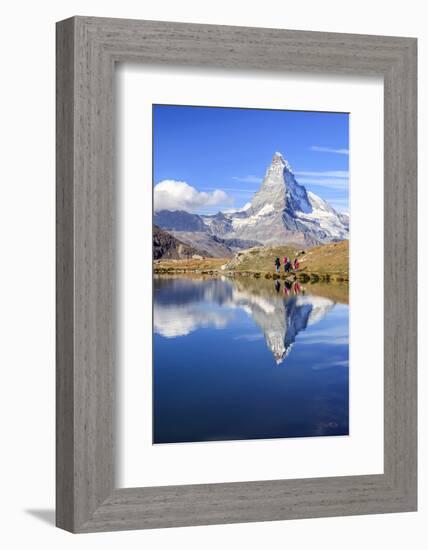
(87, 50)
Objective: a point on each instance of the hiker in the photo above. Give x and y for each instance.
(285, 263)
(277, 264)
(296, 264)
(286, 288)
(296, 288)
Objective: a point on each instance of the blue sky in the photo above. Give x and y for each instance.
(211, 158)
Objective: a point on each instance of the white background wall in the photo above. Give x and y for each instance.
(27, 272)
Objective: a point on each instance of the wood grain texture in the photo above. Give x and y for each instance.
(64, 276)
(87, 49)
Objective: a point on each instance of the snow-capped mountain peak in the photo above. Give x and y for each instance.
(280, 188)
(282, 212)
(278, 158)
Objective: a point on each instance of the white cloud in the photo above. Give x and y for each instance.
(236, 190)
(332, 183)
(248, 179)
(329, 150)
(179, 195)
(335, 179)
(249, 337)
(329, 365)
(325, 174)
(173, 321)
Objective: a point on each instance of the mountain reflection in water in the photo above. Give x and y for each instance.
(281, 310)
(215, 347)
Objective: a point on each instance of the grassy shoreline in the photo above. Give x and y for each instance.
(326, 263)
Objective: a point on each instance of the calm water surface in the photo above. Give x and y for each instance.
(249, 359)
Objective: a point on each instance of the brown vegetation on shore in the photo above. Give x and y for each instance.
(329, 263)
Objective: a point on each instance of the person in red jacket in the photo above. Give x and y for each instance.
(296, 264)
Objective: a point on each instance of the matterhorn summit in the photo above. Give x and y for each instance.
(280, 189)
(281, 212)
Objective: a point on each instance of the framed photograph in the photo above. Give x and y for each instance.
(239, 289)
(236, 274)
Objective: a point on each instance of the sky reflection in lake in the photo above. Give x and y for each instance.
(248, 359)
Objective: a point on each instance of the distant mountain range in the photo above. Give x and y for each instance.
(168, 247)
(281, 212)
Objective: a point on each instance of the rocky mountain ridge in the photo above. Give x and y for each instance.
(166, 246)
(281, 212)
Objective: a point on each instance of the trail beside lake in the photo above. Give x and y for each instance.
(329, 263)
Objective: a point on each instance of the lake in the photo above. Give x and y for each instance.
(242, 358)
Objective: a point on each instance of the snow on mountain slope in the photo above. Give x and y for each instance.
(320, 306)
(333, 224)
(281, 212)
(266, 210)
